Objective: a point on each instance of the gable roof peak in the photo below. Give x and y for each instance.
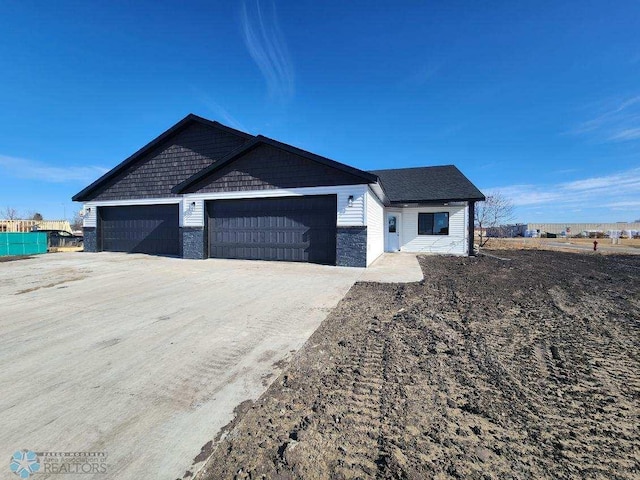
(189, 119)
(192, 117)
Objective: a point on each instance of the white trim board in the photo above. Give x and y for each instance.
(280, 192)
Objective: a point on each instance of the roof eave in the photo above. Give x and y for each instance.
(438, 201)
(380, 193)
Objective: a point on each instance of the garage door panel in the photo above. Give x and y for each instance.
(151, 229)
(299, 229)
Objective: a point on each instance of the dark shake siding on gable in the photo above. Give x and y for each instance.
(173, 161)
(266, 168)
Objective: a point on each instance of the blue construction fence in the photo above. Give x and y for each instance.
(14, 243)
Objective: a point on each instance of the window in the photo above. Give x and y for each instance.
(392, 224)
(433, 223)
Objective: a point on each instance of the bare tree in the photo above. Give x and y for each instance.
(9, 213)
(495, 211)
(76, 224)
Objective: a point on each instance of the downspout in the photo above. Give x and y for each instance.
(471, 227)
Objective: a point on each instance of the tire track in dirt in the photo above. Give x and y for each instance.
(486, 369)
(360, 409)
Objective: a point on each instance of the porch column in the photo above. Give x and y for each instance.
(471, 227)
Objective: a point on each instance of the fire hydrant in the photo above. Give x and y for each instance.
(595, 245)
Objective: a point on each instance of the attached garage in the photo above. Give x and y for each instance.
(152, 229)
(293, 229)
(202, 190)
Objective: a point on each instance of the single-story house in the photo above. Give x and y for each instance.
(202, 189)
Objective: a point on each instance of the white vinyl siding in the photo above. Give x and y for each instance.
(89, 217)
(453, 244)
(192, 213)
(351, 215)
(375, 227)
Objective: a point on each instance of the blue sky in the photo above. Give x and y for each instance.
(539, 100)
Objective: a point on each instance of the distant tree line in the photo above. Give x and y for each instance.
(10, 213)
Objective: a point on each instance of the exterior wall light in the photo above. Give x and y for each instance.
(350, 200)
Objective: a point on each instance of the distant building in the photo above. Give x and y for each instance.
(34, 225)
(617, 229)
(573, 229)
(507, 231)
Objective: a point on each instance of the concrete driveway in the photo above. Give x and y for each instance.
(145, 358)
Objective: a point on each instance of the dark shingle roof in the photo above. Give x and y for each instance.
(427, 184)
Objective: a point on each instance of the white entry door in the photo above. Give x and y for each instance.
(393, 232)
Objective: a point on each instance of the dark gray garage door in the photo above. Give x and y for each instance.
(294, 229)
(149, 229)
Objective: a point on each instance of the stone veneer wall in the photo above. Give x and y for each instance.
(90, 240)
(351, 247)
(192, 242)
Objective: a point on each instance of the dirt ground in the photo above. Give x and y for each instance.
(519, 369)
(605, 246)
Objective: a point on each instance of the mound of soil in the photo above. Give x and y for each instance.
(516, 369)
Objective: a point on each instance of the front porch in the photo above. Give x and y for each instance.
(441, 229)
